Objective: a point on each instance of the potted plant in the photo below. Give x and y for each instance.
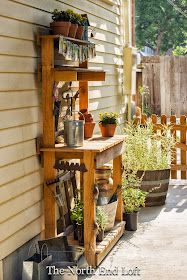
(133, 198)
(108, 123)
(89, 124)
(102, 220)
(150, 152)
(61, 22)
(81, 20)
(77, 217)
(74, 23)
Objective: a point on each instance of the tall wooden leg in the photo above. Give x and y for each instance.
(49, 202)
(89, 210)
(117, 178)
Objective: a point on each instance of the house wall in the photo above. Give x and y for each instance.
(21, 194)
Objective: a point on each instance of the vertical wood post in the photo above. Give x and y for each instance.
(117, 181)
(174, 172)
(89, 209)
(183, 141)
(48, 133)
(83, 89)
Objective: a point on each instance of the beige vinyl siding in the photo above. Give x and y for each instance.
(21, 193)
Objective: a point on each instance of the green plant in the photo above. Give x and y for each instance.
(147, 150)
(58, 15)
(108, 118)
(133, 199)
(101, 219)
(77, 213)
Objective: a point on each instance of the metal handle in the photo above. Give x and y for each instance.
(30, 247)
(41, 252)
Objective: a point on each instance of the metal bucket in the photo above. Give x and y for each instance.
(74, 132)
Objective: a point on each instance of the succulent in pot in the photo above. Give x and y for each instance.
(108, 123)
(101, 220)
(77, 217)
(81, 22)
(61, 22)
(74, 24)
(150, 152)
(133, 199)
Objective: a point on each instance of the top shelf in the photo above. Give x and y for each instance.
(73, 40)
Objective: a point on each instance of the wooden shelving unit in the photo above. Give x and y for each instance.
(94, 153)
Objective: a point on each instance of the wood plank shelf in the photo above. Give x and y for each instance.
(73, 40)
(78, 74)
(104, 149)
(105, 246)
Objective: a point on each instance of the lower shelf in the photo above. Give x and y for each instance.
(110, 239)
(104, 247)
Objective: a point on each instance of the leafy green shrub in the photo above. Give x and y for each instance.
(77, 213)
(147, 150)
(101, 219)
(133, 199)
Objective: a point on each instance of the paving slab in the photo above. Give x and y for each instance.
(158, 249)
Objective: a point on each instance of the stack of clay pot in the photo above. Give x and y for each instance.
(89, 123)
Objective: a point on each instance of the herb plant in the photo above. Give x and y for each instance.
(146, 149)
(133, 199)
(77, 213)
(101, 219)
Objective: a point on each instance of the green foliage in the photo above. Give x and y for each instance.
(180, 51)
(77, 213)
(133, 199)
(147, 150)
(159, 26)
(68, 15)
(58, 15)
(131, 180)
(101, 219)
(108, 118)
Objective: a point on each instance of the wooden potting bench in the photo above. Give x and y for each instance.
(94, 153)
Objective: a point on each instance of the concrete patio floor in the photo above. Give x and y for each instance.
(158, 249)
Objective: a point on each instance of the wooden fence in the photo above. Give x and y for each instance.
(179, 130)
(166, 78)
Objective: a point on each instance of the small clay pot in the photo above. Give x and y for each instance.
(100, 236)
(107, 130)
(88, 129)
(79, 33)
(60, 27)
(73, 30)
(80, 231)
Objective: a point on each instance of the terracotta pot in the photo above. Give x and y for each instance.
(73, 30)
(80, 231)
(60, 27)
(88, 129)
(79, 33)
(107, 130)
(100, 236)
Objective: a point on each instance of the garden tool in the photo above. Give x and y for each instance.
(66, 166)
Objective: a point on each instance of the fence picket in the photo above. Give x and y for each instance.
(174, 161)
(183, 141)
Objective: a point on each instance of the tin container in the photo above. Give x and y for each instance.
(74, 133)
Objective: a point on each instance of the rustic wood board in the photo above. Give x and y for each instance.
(96, 144)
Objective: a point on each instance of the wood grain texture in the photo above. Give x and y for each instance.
(117, 182)
(183, 141)
(89, 209)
